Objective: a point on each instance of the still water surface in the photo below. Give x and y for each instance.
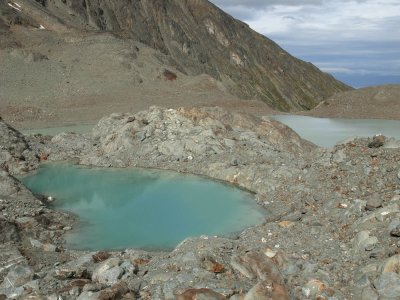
(327, 132)
(57, 130)
(146, 209)
(324, 132)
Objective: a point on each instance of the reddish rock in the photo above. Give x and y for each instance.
(203, 294)
(101, 256)
(169, 76)
(211, 265)
(115, 292)
(43, 157)
(256, 265)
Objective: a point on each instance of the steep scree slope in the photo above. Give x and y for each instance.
(200, 38)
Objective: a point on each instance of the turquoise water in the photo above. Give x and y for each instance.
(147, 209)
(327, 132)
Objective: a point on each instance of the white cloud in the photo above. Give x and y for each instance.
(263, 3)
(332, 20)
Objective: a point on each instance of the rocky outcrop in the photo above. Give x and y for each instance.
(208, 141)
(332, 231)
(196, 37)
(15, 152)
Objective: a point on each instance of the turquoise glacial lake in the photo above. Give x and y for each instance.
(140, 208)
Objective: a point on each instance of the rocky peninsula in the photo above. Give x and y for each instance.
(332, 231)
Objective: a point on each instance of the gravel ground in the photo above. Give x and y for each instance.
(332, 232)
(54, 80)
(378, 102)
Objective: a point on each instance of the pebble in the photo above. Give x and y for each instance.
(255, 265)
(313, 288)
(377, 141)
(26, 222)
(286, 224)
(205, 294)
(17, 276)
(339, 156)
(363, 241)
(108, 272)
(88, 295)
(73, 269)
(369, 293)
(374, 202)
(270, 253)
(291, 270)
(45, 247)
(392, 264)
(265, 290)
(395, 231)
(388, 285)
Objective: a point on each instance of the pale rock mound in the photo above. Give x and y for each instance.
(207, 141)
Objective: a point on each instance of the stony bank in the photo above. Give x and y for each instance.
(332, 231)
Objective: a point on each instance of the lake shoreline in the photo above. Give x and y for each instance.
(331, 209)
(324, 132)
(378, 102)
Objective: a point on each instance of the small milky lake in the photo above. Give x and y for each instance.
(327, 132)
(141, 208)
(324, 132)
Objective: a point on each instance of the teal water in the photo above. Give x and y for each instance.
(57, 130)
(147, 209)
(327, 132)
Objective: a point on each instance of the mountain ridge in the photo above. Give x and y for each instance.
(198, 37)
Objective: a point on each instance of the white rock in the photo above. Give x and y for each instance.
(363, 241)
(108, 272)
(270, 253)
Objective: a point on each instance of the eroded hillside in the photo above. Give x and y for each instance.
(189, 37)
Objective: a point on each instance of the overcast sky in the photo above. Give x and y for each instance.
(358, 41)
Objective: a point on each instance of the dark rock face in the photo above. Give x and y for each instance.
(15, 152)
(377, 141)
(200, 38)
(8, 231)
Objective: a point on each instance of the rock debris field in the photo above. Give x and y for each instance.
(332, 232)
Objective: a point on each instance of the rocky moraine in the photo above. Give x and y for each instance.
(333, 229)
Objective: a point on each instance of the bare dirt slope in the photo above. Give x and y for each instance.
(199, 38)
(51, 79)
(71, 61)
(378, 102)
